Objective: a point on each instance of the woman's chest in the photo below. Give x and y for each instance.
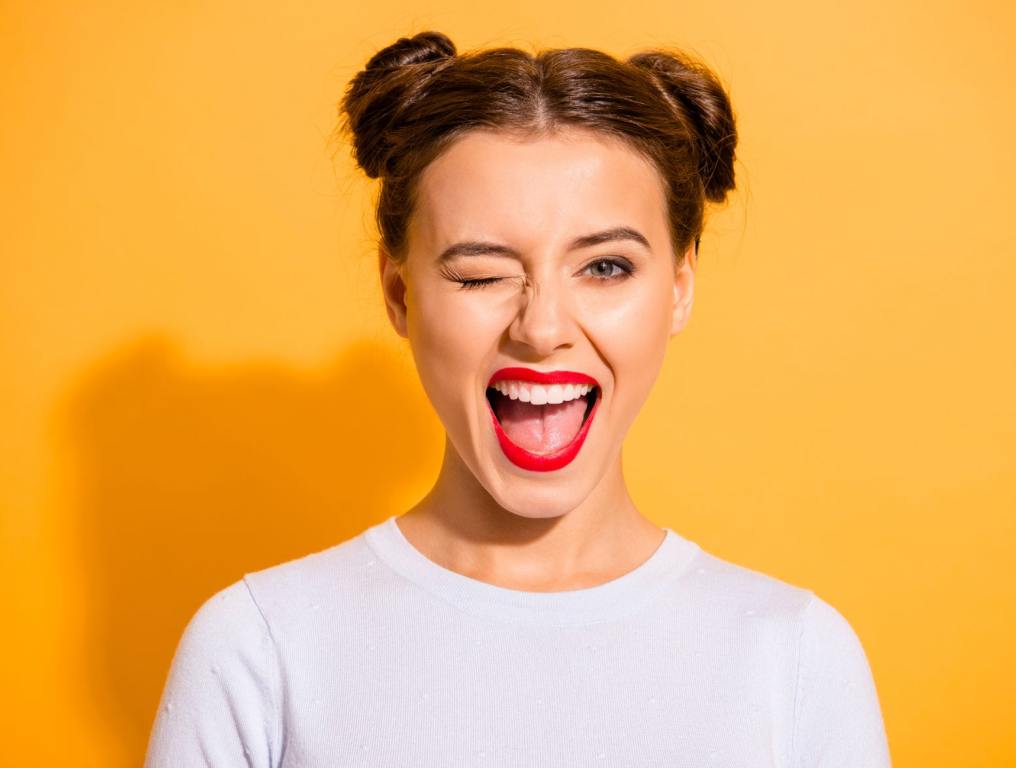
(586, 700)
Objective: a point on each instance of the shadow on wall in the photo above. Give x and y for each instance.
(185, 478)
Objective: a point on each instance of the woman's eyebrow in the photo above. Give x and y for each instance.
(608, 235)
(480, 248)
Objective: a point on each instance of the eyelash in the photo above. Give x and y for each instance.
(627, 269)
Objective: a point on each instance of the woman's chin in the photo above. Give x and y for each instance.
(536, 498)
(529, 513)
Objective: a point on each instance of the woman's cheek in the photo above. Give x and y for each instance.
(456, 327)
(451, 337)
(632, 336)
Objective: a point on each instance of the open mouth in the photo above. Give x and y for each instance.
(541, 427)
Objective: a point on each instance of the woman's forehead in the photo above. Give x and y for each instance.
(492, 184)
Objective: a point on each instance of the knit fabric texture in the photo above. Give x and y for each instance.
(370, 654)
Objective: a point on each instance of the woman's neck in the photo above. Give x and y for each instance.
(462, 527)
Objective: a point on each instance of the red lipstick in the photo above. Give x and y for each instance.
(547, 462)
(542, 377)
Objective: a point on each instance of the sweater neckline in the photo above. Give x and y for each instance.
(608, 601)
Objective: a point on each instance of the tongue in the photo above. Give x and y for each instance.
(540, 428)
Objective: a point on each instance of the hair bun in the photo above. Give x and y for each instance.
(420, 48)
(392, 80)
(703, 105)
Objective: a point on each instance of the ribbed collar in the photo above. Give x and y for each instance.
(605, 602)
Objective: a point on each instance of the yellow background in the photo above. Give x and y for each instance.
(198, 379)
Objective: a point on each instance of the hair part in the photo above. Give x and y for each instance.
(417, 95)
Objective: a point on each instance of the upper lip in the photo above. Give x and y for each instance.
(542, 377)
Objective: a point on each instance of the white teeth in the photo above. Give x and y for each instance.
(538, 394)
(555, 394)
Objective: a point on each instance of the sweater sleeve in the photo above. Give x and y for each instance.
(219, 704)
(837, 717)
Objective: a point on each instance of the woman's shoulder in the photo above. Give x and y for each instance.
(330, 579)
(340, 561)
(820, 632)
(248, 607)
(744, 590)
(836, 713)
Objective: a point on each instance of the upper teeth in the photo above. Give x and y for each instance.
(537, 394)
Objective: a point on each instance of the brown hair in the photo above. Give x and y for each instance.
(417, 95)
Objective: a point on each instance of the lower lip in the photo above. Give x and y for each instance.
(543, 462)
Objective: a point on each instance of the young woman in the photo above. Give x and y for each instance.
(539, 219)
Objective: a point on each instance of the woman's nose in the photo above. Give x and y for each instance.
(544, 321)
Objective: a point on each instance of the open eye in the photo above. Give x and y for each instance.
(611, 269)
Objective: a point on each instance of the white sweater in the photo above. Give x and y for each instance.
(370, 654)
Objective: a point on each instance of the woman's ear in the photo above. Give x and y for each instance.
(394, 288)
(684, 289)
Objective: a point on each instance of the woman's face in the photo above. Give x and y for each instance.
(568, 234)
